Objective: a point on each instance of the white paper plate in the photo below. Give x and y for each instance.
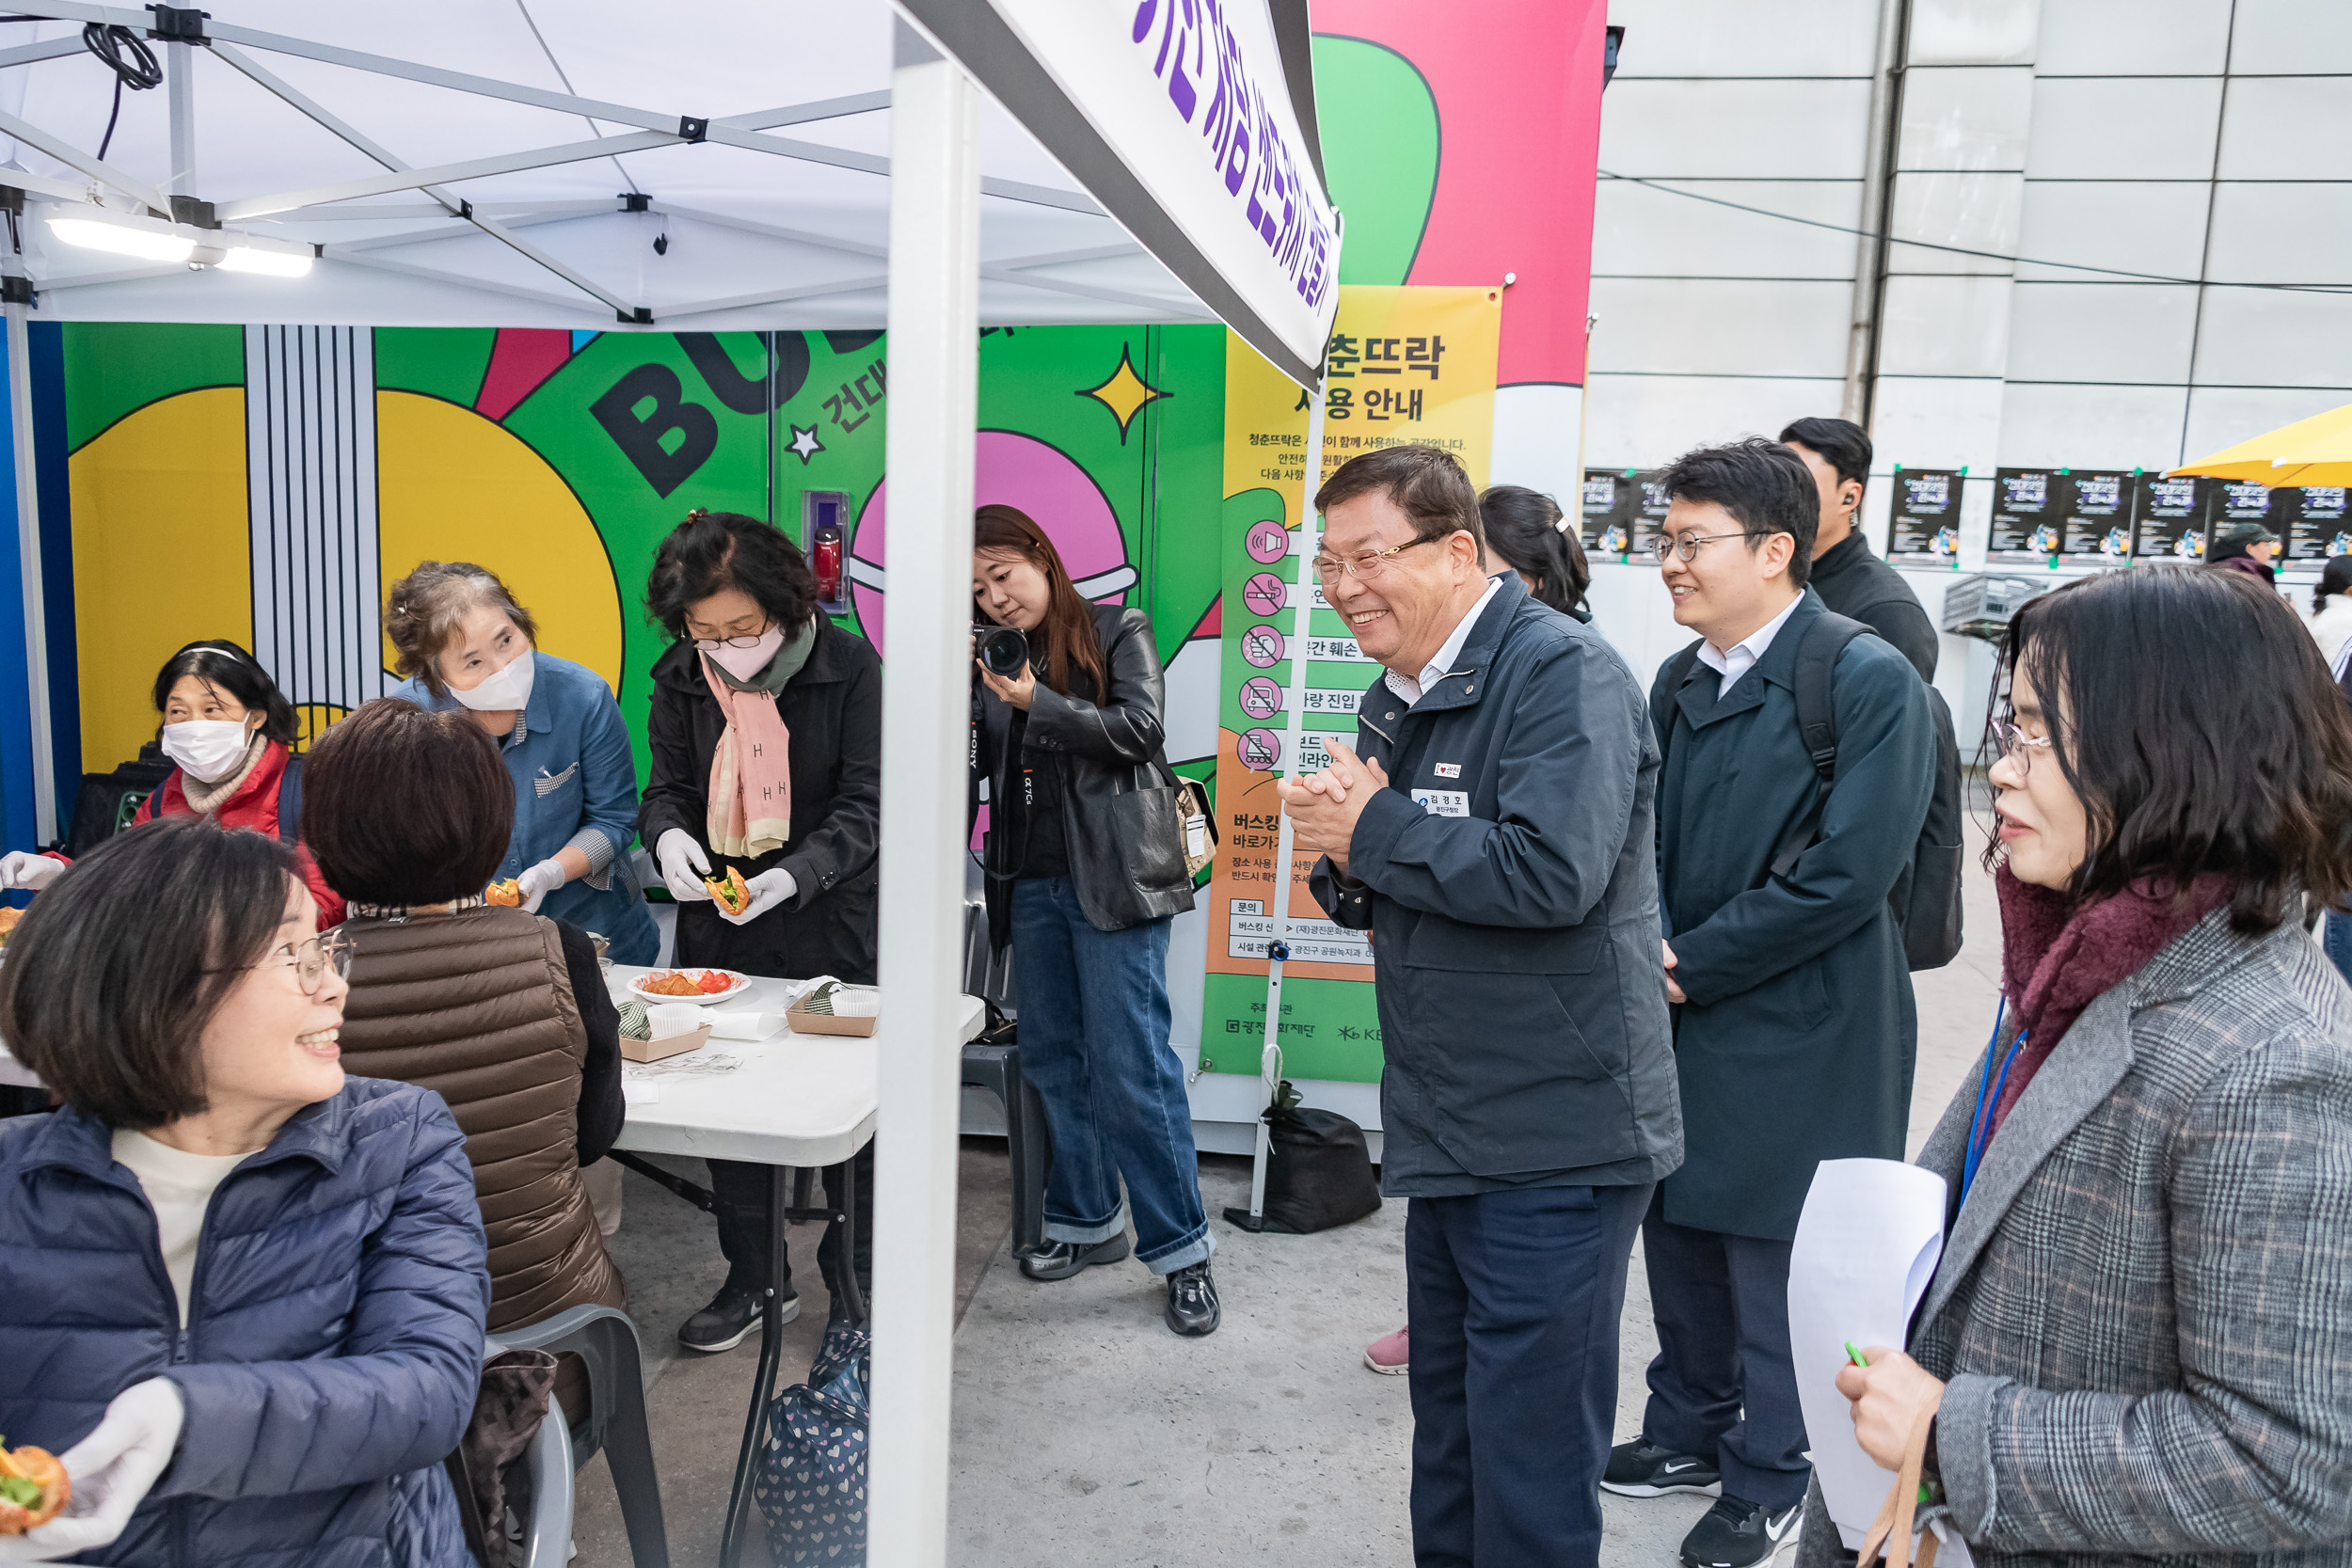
(652, 998)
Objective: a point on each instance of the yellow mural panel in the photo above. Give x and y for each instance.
(160, 555)
(453, 486)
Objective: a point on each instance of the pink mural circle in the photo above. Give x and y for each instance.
(1020, 472)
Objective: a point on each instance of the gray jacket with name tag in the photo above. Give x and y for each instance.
(1508, 878)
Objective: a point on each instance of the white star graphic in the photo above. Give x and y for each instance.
(806, 444)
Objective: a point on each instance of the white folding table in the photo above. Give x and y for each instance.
(796, 1102)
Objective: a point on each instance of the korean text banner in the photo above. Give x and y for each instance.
(1406, 365)
(1179, 117)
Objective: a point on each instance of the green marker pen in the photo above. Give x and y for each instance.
(1855, 1355)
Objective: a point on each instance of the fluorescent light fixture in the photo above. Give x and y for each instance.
(271, 264)
(148, 244)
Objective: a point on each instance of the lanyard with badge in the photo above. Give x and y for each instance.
(1989, 1089)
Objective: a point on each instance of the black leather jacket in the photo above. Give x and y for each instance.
(1120, 826)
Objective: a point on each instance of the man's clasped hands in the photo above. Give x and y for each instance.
(1323, 806)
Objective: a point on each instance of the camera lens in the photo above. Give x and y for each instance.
(1004, 650)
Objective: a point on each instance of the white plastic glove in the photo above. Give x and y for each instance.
(683, 865)
(19, 869)
(112, 1469)
(537, 881)
(767, 889)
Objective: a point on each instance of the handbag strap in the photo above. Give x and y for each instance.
(1891, 1530)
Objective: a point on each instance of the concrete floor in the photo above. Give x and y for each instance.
(1085, 1433)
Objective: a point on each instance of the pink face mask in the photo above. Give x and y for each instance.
(744, 663)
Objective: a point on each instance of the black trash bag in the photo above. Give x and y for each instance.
(1318, 1170)
(811, 1483)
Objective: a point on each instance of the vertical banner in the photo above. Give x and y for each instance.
(1406, 366)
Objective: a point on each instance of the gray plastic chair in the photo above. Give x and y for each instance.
(607, 1341)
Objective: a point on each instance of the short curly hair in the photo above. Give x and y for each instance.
(421, 612)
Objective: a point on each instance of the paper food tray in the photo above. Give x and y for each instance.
(806, 1023)
(660, 1050)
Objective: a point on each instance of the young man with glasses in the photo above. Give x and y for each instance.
(1794, 1029)
(1491, 826)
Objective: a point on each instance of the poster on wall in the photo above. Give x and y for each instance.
(2026, 511)
(1406, 365)
(2095, 525)
(2171, 518)
(2312, 525)
(1608, 522)
(2242, 500)
(1923, 527)
(1650, 502)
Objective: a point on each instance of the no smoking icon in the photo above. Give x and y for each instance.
(1262, 646)
(1260, 697)
(1263, 594)
(1258, 750)
(1268, 541)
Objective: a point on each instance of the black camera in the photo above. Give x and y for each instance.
(1003, 651)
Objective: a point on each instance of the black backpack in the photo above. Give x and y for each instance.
(1927, 901)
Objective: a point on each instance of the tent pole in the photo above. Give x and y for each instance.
(180, 83)
(28, 565)
(929, 445)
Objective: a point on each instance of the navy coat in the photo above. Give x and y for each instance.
(1797, 1043)
(334, 1339)
(1522, 1004)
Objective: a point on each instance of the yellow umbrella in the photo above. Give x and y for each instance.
(2317, 450)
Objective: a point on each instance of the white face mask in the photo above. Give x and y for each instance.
(207, 749)
(506, 690)
(744, 664)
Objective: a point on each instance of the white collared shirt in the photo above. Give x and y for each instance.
(1744, 654)
(1448, 652)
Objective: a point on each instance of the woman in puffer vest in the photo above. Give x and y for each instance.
(242, 1295)
(502, 1013)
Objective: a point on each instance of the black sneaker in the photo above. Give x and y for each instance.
(1736, 1533)
(732, 1313)
(1060, 1259)
(1192, 1305)
(1643, 1469)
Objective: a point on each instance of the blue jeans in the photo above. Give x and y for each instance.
(1513, 1299)
(1094, 1037)
(2335, 940)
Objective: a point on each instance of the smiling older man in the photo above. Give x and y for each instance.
(1492, 826)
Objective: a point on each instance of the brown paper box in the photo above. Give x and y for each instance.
(806, 1023)
(655, 1051)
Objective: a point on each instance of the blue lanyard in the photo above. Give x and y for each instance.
(1988, 1096)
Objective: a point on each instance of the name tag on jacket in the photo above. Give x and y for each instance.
(1442, 802)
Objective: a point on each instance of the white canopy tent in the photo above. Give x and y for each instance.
(705, 165)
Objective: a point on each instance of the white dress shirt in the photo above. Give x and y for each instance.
(1743, 653)
(1450, 650)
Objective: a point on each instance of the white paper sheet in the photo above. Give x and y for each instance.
(742, 1024)
(639, 1091)
(1866, 1247)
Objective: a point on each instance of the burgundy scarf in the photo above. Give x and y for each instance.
(2057, 959)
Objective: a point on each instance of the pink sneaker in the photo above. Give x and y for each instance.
(1386, 1354)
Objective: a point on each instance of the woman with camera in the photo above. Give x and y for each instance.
(1086, 869)
(766, 736)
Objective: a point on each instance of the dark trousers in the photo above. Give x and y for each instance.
(1514, 1304)
(1723, 1387)
(739, 1192)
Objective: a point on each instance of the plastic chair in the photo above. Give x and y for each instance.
(547, 1537)
(607, 1341)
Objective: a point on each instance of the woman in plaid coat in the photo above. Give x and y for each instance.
(2138, 1342)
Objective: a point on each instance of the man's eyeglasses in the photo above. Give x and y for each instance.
(1363, 568)
(311, 959)
(2018, 746)
(1686, 545)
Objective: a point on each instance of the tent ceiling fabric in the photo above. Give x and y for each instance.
(778, 219)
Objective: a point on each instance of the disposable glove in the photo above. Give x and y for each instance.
(19, 869)
(538, 881)
(683, 865)
(769, 889)
(112, 1469)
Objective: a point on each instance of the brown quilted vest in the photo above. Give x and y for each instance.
(478, 1007)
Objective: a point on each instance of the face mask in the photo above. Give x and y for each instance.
(506, 690)
(207, 749)
(744, 664)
